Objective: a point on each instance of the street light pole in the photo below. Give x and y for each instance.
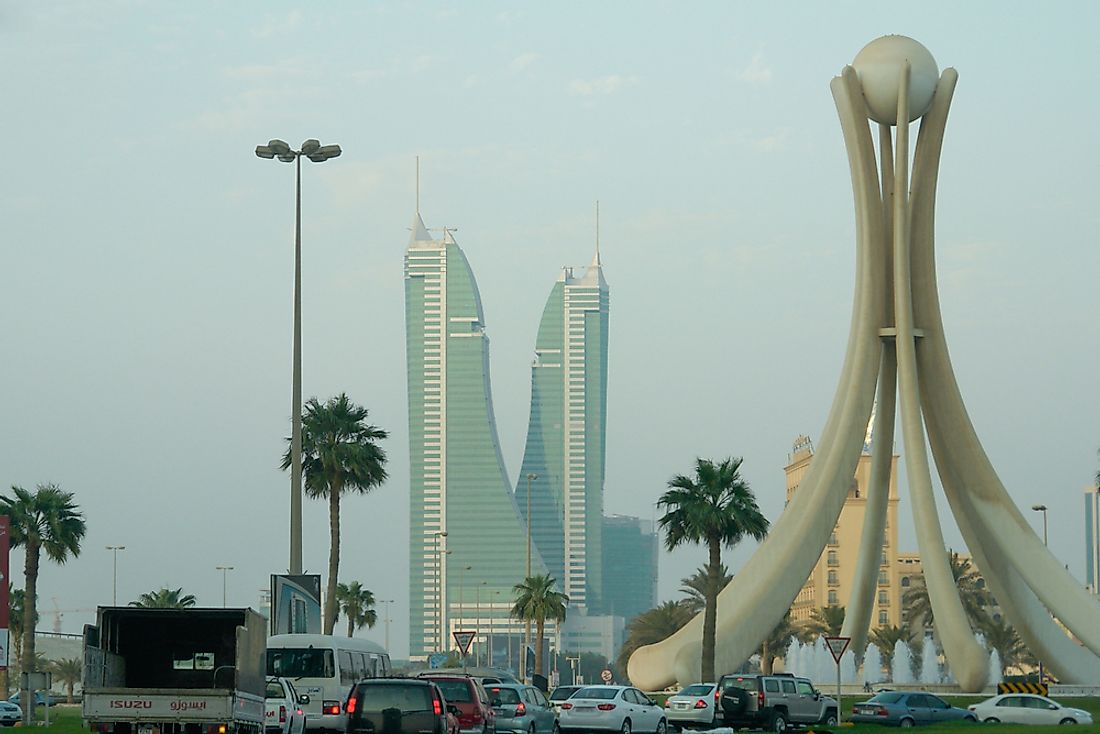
(439, 536)
(387, 602)
(527, 620)
(114, 574)
(317, 153)
(225, 572)
(1042, 509)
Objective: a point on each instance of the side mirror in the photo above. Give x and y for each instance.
(304, 699)
(817, 695)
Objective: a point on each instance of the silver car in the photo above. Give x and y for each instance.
(522, 709)
(694, 707)
(612, 708)
(907, 709)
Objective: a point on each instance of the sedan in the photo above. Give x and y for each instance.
(612, 708)
(1025, 708)
(10, 713)
(693, 707)
(562, 693)
(906, 709)
(522, 709)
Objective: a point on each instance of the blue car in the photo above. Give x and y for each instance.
(10, 713)
(907, 709)
(40, 699)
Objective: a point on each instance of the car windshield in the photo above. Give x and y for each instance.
(503, 696)
(700, 689)
(406, 698)
(300, 663)
(887, 698)
(605, 694)
(455, 691)
(562, 693)
(274, 690)
(749, 684)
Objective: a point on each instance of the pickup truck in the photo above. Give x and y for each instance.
(175, 671)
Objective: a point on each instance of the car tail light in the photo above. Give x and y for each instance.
(353, 702)
(330, 708)
(606, 706)
(216, 729)
(717, 695)
(700, 704)
(521, 708)
(567, 705)
(760, 700)
(882, 712)
(437, 707)
(282, 714)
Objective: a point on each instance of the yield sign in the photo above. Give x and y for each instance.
(464, 639)
(836, 645)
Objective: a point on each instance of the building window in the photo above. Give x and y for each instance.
(905, 582)
(883, 597)
(882, 617)
(832, 559)
(885, 560)
(883, 579)
(832, 538)
(833, 581)
(833, 599)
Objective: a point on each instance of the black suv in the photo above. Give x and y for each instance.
(398, 706)
(773, 702)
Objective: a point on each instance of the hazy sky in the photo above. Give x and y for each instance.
(147, 253)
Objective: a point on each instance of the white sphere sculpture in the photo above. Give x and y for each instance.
(878, 65)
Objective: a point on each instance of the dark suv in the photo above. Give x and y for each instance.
(773, 702)
(399, 706)
(475, 712)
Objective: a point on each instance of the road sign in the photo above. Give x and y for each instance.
(463, 639)
(606, 676)
(837, 646)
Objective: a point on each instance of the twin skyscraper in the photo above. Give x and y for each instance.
(469, 537)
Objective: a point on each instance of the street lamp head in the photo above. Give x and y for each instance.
(322, 154)
(265, 151)
(287, 157)
(279, 147)
(1039, 508)
(310, 146)
(532, 477)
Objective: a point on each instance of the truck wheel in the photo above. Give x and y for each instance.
(779, 722)
(906, 723)
(830, 718)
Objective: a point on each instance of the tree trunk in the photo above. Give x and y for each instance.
(351, 622)
(710, 613)
(30, 603)
(540, 627)
(334, 490)
(70, 685)
(766, 659)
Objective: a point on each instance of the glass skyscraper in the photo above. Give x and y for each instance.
(565, 437)
(466, 537)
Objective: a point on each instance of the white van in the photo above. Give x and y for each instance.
(324, 667)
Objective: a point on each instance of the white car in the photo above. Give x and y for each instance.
(612, 708)
(283, 713)
(1025, 708)
(694, 707)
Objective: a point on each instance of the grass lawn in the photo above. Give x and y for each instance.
(64, 719)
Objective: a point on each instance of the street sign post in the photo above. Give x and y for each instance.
(837, 646)
(463, 640)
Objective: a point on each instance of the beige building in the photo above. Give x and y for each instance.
(830, 583)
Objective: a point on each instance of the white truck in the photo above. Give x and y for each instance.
(175, 671)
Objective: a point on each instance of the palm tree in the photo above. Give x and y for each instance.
(69, 672)
(886, 638)
(775, 644)
(50, 521)
(695, 586)
(971, 588)
(357, 604)
(652, 626)
(16, 605)
(823, 622)
(340, 454)
(1002, 637)
(716, 508)
(537, 601)
(165, 598)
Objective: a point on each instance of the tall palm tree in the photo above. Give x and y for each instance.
(886, 638)
(823, 622)
(972, 593)
(16, 604)
(69, 672)
(657, 624)
(716, 508)
(357, 604)
(775, 644)
(340, 453)
(538, 601)
(165, 598)
(50, 521)
(696, 585)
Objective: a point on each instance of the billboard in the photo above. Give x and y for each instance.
(5, 586)
(295, 604)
